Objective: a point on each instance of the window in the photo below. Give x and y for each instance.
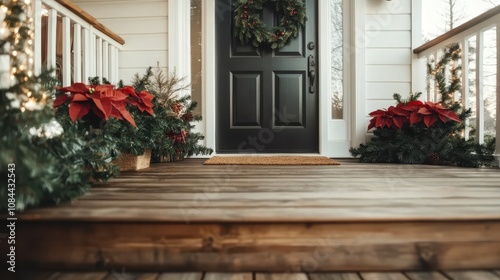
(337, 58)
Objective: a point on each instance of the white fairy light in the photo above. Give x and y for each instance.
(3, 13)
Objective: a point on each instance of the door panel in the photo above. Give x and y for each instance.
(246, 94)
(264, 104)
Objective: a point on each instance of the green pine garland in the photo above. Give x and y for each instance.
(250, 29)
(441, 143)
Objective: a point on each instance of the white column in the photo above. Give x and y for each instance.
(179, 40)
(358, 42)
(208, 69)
(418, 81)
(77, 53)
(66, 48)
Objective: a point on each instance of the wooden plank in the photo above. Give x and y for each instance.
(181, 276)
(383, 276)
(132, 276)
(228, 276)
(295, 202)
(280, 276)
(334, 276)
(194, 213)
(242, 247)
(471, 275)
(80, 276)
(425, 276)
(35, 275)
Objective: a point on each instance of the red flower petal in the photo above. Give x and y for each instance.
(77, 110)
(415, 117)
(76, 88)
(61, 99)
(80, 97)
(430, 120)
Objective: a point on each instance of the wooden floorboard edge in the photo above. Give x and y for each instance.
(261, 247)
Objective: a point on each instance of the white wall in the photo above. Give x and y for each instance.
(143, 26)
(388, 53)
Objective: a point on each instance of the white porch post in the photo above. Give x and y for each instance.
(208, 69)
(179, 39)
(358, 74)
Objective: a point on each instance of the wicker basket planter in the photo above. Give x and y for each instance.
(129, 162)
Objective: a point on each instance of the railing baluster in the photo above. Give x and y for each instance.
(436, 87)
(465, 82)
(99, 61)
(52, 38)
(93, 54)
(112, 62)
(86, 52)
(105, 60)
(77, 53)
(66, 50)
(479, 87)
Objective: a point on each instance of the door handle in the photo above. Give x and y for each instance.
(311, 69)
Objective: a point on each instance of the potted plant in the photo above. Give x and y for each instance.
(427, 132)
(114, 112)
(176, 115)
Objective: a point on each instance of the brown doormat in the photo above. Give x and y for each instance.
(270, 160)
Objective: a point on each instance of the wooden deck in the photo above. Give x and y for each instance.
(124, 275)
(354, 217)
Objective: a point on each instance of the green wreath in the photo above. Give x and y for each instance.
(250, 29)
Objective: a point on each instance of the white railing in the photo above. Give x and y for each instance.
(74, 43)
(478, 39)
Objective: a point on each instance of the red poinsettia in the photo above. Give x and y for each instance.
(142, 100)
(412, 112)
(102, 100)
(430, 112)
(392, 117)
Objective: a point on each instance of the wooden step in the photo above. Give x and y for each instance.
(354, 217)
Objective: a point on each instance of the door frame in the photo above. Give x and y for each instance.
(352, 128)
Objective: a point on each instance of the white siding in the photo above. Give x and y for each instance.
(388, 53)
(143, 26)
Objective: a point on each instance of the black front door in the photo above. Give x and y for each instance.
(267, 100)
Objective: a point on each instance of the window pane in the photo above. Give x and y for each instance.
(337, 57)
